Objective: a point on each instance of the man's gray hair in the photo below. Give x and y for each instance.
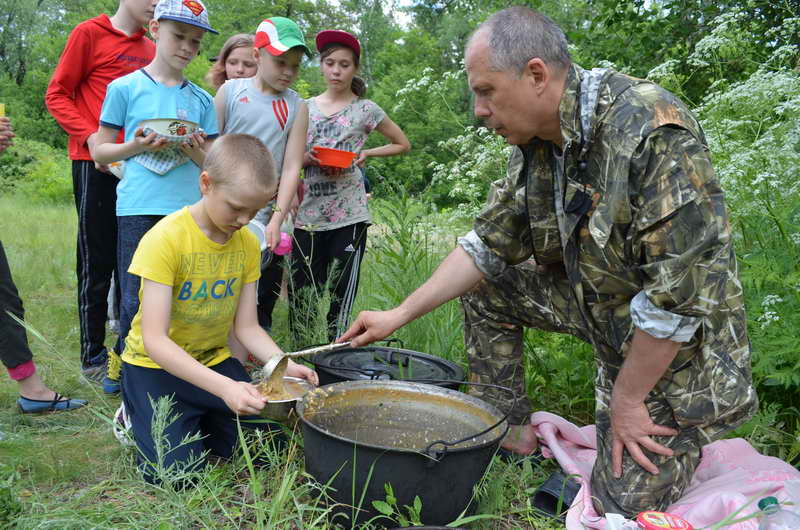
(518, 34)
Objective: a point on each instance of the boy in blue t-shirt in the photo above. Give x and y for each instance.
(159, 178)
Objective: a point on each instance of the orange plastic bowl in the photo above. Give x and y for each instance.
(334, 157)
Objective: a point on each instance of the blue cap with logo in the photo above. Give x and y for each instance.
(187, 11)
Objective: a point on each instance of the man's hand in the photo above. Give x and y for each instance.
(243, 398)
(371, 326)
(304, 372)
(631, 428)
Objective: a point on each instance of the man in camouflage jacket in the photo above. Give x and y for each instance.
(610, 225)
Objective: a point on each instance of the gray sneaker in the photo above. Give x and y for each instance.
(94, 374)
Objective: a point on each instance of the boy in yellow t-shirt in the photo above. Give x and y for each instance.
(199, 273)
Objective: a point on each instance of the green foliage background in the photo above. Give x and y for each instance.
(735, 62)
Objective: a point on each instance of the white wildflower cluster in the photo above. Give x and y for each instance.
(795, 237)
(663, 71)
(786, 31)
(771, 300)
(752, 126)
(415, 84)
(724, 41)
(784, 55)
(479, 158)
(427, 83)
(768, 305)
(753, 130)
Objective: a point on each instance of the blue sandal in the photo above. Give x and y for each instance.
(57, 404)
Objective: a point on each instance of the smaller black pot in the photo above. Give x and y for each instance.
(385, 363)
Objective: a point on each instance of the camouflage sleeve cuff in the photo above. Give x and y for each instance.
(660, 323)
(487, 261)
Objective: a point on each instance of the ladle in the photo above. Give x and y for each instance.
(274, 369)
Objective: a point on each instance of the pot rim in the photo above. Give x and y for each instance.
(503, 425)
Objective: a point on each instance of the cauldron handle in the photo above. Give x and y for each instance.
(392, 340)
(436, 456)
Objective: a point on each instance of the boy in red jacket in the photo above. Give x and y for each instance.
(98, 51)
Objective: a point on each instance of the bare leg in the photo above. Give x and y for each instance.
(33, 387)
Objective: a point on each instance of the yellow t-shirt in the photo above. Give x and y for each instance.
(206, 280)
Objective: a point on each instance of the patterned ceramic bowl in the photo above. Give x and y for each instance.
(174, 130)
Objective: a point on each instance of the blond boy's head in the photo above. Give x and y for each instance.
(241, 161)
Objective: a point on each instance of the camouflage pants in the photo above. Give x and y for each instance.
(496, 313)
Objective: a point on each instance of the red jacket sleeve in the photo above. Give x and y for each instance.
(67, 77)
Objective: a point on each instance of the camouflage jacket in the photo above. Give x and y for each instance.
(630, 205)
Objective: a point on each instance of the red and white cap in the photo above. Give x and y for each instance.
(278, 35)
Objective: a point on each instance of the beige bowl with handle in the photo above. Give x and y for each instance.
(172, 129)
(283, 409)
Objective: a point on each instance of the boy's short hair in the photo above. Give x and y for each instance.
(236, 156)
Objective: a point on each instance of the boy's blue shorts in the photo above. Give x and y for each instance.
(199, 411)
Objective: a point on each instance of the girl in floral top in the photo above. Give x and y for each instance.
(331, 224)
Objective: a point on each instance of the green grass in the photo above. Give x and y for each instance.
(68, 471)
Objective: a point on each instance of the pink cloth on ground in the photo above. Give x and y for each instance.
(731, 474)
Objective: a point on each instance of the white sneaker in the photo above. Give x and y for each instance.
(122, 427)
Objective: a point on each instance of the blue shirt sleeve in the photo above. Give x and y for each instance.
(115, 106)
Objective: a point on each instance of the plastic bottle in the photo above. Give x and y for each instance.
(774, 517)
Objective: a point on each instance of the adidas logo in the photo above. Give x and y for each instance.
(349, 248)
(244, 100)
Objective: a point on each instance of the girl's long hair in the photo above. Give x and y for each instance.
(216, 75)
(358, 86)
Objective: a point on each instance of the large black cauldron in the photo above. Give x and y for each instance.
(422, 439)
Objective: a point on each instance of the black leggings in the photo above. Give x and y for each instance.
(14, 349)
(331, 257)
(269, 287)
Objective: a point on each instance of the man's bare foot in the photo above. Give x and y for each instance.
(521, 439)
